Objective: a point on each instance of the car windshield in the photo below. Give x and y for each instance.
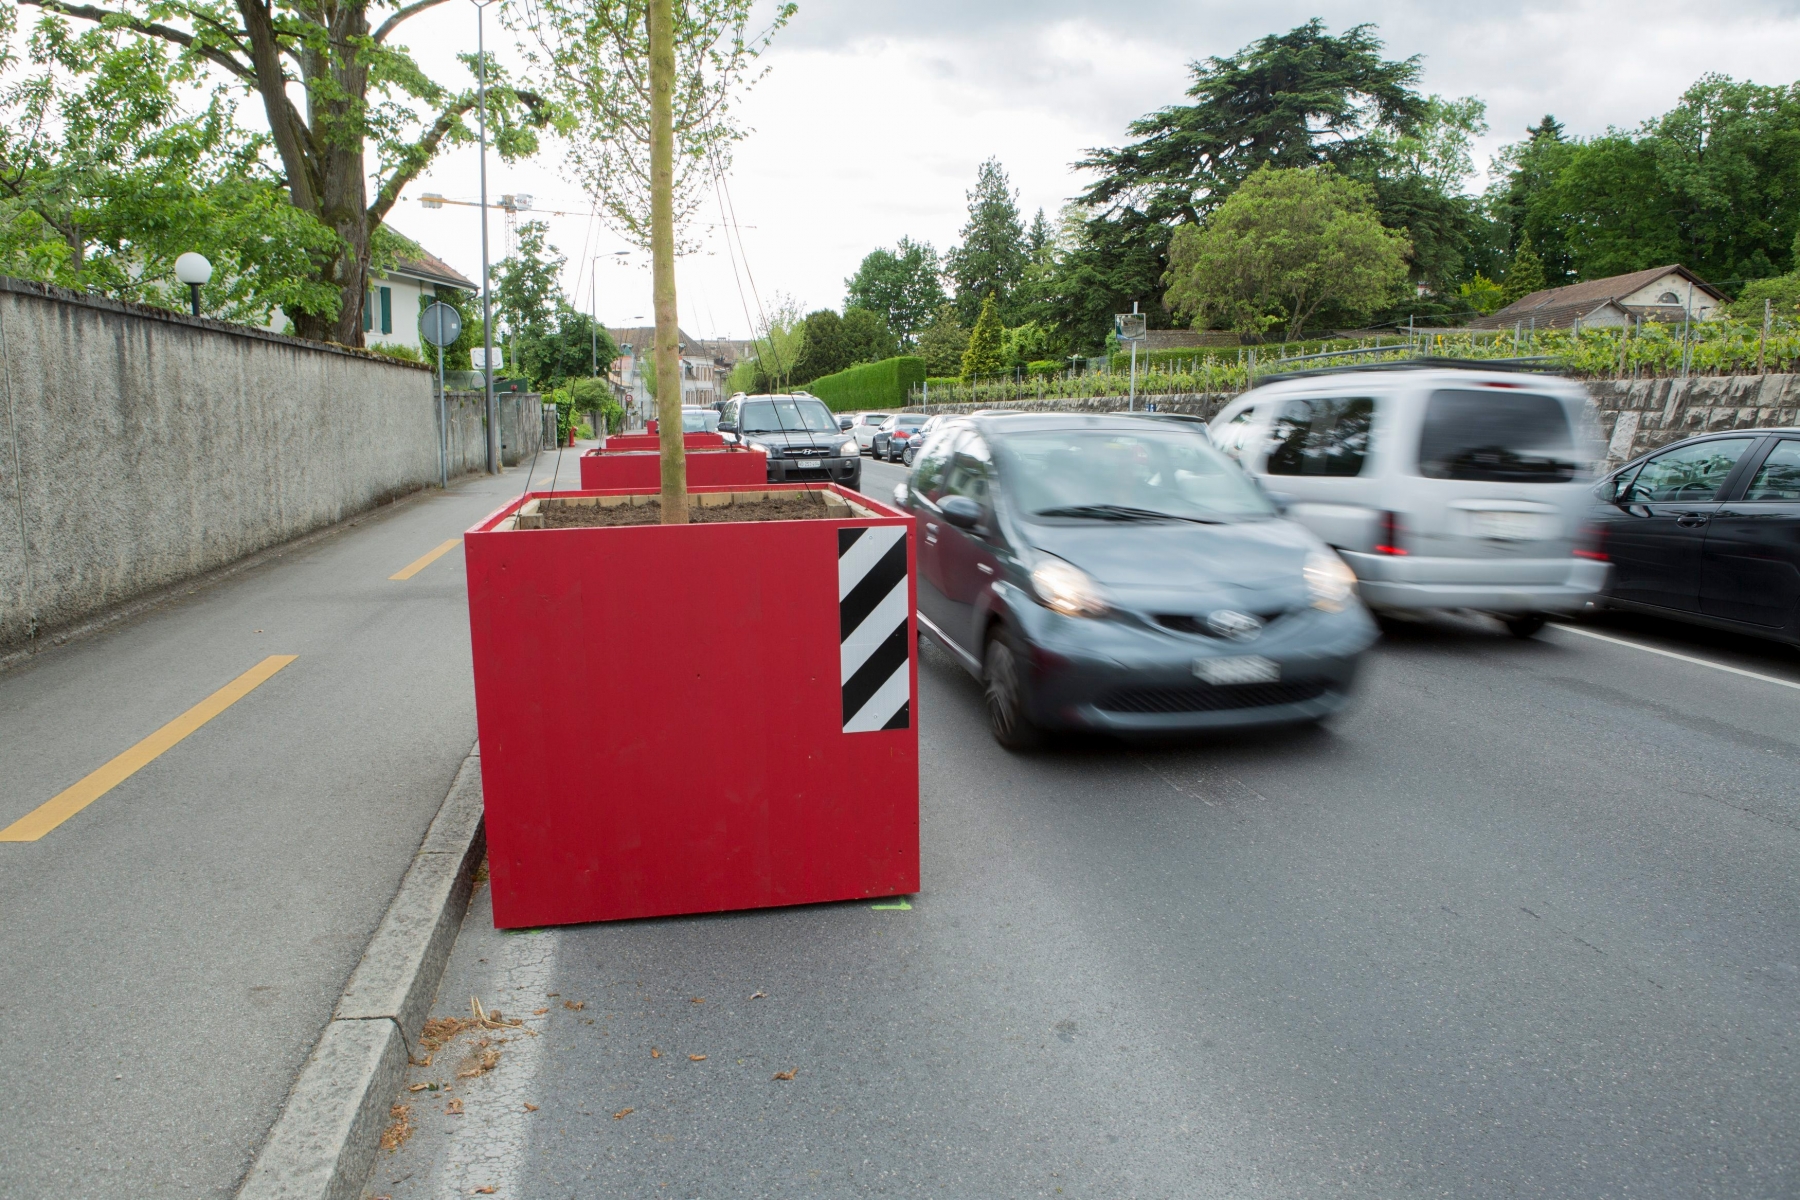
(1119, 475)
(788, 414)
(1492, 436)
(699, 420)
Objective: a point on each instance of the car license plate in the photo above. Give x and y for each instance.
(1513, 526)
(1247, 669)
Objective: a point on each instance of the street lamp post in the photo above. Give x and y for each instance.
(594, 307)
(487, 299)
(194, 270)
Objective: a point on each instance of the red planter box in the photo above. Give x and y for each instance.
(608, 469)
(743, 736)
(647, 441)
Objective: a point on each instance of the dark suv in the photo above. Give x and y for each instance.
(800, 436)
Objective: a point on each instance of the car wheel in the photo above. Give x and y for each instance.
(1004, 687)
(1524, 625)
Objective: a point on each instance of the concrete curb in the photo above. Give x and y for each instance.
(323, 1144)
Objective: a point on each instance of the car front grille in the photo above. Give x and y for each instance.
(1204, 697)
(1187, 623)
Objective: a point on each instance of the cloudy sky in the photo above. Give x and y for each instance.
(876, 113)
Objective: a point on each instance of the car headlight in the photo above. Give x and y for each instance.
(1068, 589)
(763, 447)
(849, 449)
(1329, 581)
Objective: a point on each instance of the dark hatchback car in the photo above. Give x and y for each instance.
(800, 436)
(890, 440)
(1708, 530)
(1116, 574)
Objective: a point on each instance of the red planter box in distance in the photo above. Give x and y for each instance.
(647, 441)
(743, 735)
(609, 470)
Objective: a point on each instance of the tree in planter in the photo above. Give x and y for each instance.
(359, 92)
(1284, 246)
(986, 354)
(652, 91)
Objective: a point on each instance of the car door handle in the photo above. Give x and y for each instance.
(984, 568)
(1691, 520)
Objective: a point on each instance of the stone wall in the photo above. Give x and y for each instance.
(140, 447)
(1635, 415)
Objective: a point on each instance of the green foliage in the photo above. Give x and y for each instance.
(986, 354)
(942, 343)
(526, 287)
(882, 384)
(867, 337)
(902, 285)
(1782, 292)
(1284, 245)
(1525, 274)
(823, 348)
(403, 352)
(1482, 295)
(593, 395)
(990, 261)
(1027, 343)
(770, 364)
(106, 177)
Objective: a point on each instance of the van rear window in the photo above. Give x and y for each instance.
(1497, 437)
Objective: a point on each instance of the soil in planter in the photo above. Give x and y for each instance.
(792, 506)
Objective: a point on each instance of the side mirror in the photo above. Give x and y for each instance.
(1281, 500)
(902, 494)
(961, 511)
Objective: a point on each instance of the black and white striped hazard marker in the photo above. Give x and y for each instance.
(872, 612)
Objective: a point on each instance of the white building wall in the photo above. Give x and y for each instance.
(1699, 305)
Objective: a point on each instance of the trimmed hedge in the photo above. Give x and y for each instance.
(881, 384)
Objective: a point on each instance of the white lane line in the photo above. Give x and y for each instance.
(1686, 658)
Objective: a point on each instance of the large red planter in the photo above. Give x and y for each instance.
(648, 441)
(743, 736)
(736, 467)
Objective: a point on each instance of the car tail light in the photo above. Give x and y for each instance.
(1389, 540)
(1592, 544)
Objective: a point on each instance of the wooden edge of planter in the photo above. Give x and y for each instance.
(526, 512)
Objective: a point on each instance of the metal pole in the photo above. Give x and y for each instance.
(489, 407)
(1131, 401)
(1763, 344)
(594, 314)
(443, 426)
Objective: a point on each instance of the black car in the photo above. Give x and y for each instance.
(890, 440)
(1707, 530)
(1117, 574)
(800, 436)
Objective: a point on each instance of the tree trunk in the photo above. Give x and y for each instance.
(662, 250)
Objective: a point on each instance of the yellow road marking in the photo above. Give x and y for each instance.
(71, 800)
(419, 564)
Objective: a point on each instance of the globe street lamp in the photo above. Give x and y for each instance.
(193, 270)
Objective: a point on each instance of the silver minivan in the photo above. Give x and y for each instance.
(1442, 487)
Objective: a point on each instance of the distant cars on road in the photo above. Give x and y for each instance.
(1443, 488)
(864, 426)
(891, 437)
(1115, 574)
(798, 433)
(919, 438)
(1707, 530)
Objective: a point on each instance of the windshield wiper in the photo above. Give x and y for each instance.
(1119, 512)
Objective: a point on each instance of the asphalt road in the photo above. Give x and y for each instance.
(170, 953)
(1521, 923)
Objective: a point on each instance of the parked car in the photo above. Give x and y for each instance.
(1442, 487)
(891, 437)
(1708, 530)
(911, 454)
(699, 420)
(863, 430)
(1107, 573)
(799, 434)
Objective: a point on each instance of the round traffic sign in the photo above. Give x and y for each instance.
(440, 324)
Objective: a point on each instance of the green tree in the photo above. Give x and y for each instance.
(334, 94)
(823, 347)
(943, 342)
(990, 260)
(526, 284)
(1298, 99)
(1525, 274)
(568, 349)
(904, 285)
(105, 178)
(594, 395)
(986, 354)
(1040, 239)
(1286, 244)
(867, 337)
(1482, 295)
